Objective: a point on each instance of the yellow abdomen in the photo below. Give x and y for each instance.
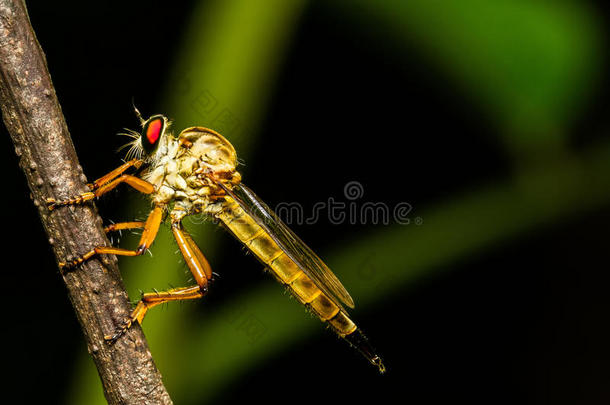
(285, 270)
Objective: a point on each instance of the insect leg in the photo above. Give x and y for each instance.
(115, 173)
(141, 185)
(96, 184)
(150, 300)
(196, 261)
(151, 227)
(198, 265)
(119, 226)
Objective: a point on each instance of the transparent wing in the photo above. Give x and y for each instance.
(291, 244)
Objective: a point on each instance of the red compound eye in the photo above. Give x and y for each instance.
(154, 131)
(151, 133)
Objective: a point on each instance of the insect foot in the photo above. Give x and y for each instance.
(71, 263)
(80, 199)
(111, 339)
(51, 203)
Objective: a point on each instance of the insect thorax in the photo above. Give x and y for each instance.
(180, 170)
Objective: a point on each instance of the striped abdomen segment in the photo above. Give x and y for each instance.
(286, 271)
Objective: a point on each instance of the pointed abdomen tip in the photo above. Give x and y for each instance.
(377, 362)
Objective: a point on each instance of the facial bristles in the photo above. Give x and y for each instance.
(135, 151)
(130, 133)
(135, 146)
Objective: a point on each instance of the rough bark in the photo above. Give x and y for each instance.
(37, 127)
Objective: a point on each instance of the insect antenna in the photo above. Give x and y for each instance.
(135, 109)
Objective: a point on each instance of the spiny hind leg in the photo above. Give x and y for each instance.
(151, 227)
(150, 300)
(200, 268)
(195, 260)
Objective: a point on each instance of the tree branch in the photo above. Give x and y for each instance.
(37, 127)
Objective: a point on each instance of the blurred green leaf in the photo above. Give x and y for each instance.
(529, 64)
(226, 70)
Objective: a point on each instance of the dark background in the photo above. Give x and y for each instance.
(523, 321)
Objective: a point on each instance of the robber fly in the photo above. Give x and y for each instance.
(195, 173)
